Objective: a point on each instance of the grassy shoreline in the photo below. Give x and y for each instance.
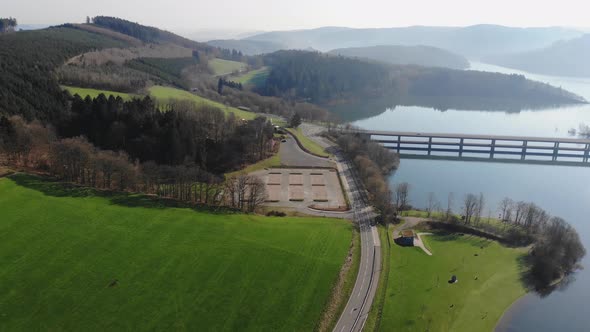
(418, 296)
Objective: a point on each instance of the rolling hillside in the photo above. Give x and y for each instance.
(564, 58)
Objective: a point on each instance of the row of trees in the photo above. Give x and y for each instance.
(373, 162)
(76, 160)
(223, 82)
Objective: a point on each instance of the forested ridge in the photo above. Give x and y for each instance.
(28, 85)
(324, 78)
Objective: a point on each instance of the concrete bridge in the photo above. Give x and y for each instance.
(485, 147)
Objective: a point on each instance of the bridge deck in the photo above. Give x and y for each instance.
(475, 137)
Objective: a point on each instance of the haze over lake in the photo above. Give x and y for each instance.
(561, 190)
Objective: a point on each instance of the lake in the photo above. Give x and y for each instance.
(561, 190)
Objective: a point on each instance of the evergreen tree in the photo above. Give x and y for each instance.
(295, 121)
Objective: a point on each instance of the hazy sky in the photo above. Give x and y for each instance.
(186, 15)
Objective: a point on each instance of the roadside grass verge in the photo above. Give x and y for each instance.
(308, 143)
(343, 287)
(419, 297)
(374, 318)
(76, 259)
(225, 67)
(273, 161)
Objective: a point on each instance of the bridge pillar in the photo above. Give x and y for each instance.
(523, 154)
(492, 149)
(586, 153)
(461, 147)
(399, 139)
(429, 145)
(555, 151)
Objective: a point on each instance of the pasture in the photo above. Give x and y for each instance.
(222, 67)
(79, 260)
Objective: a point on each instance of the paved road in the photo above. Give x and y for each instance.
(355, 313)
(359, 304)
(292, 155)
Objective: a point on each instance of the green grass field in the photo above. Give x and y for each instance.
(225, 67)
(177, 269)
(163, 94)
(308, 143)
(419, 297)
(93, 93)
(253, 78)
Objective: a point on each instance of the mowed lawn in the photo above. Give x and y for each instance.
(176, 269)
(163, 94)
(225, 67)
(419, 297)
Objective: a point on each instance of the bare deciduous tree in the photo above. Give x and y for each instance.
(469, 207)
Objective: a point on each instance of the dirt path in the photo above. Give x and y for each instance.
(419, 243)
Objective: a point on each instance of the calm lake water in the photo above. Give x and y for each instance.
(561, 190)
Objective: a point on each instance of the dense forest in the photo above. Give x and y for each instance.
(183, 133)
(324, 78)
(317, 77)
(28, 85)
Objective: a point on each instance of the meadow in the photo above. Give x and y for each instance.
(164, 94)
(93, 93)
(225, 67)
(253, 78)
(80, 260)
(420, 298)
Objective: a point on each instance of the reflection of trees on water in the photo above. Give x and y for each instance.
(367, 108)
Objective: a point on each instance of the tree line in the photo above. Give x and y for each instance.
(373, 162)
(33, 146)
(7, 24)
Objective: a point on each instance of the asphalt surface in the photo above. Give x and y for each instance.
(357, 309)
(292, 155)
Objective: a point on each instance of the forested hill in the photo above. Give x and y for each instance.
(148, 34)
(28, 86)
(427, 56)
(325, 78)
(564, 58)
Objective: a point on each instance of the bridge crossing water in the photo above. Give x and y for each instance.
(485, 147)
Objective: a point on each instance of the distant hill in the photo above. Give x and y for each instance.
(473, 41)
(563, 58)
(246, 46)
(427, 56)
